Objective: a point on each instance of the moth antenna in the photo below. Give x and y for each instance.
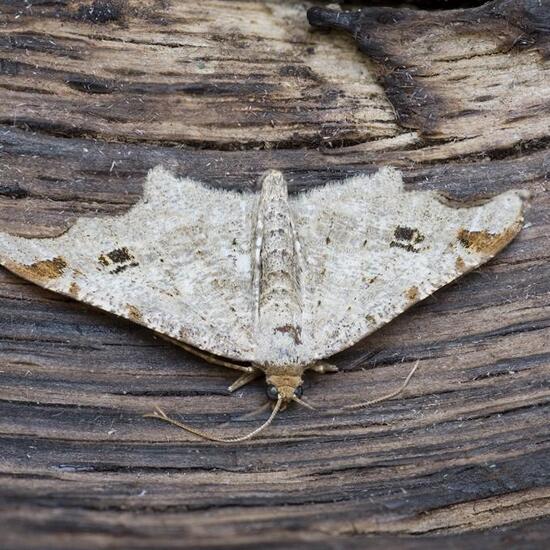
(161, 415)
(389, 395)
(303, 403)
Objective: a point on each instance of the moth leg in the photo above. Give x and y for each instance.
(323, 368)
(226, 364)
(244, 379)
(210, 358)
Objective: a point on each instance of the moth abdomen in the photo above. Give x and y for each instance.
(279, 305)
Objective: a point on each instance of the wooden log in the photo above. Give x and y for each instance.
(95, 93)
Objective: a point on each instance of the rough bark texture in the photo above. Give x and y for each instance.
(93, 94)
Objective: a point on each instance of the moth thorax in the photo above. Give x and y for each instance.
(273, 187)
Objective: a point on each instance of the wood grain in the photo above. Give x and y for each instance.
(93, 94)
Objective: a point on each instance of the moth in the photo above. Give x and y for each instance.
(262, 282)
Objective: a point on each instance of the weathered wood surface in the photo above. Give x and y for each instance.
(92, 95)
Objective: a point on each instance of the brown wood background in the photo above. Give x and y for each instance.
(93, 94)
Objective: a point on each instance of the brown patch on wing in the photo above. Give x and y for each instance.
(412, 293)
(74, 290)
(44, 270)
(295, 332)
(103, 260)
(485, 242)
(134, 314)
(460, 264)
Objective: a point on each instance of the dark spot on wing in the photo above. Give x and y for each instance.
(403, 233)
(119, 258)
(407, 238)
(134, 313)
(74, 290)
(407, 247)
(122, 268)
(412, 294)
(460, 264)
(120, 255)
(408, 234)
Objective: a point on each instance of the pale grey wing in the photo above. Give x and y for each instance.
(178, 262)
(371, 250)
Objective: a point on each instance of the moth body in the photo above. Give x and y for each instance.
(277, 273)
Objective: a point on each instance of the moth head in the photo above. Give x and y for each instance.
(288, 388)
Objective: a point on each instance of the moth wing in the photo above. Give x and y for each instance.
(177, 262)
(371, 250)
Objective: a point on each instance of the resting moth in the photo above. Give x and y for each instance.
(266, 283)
